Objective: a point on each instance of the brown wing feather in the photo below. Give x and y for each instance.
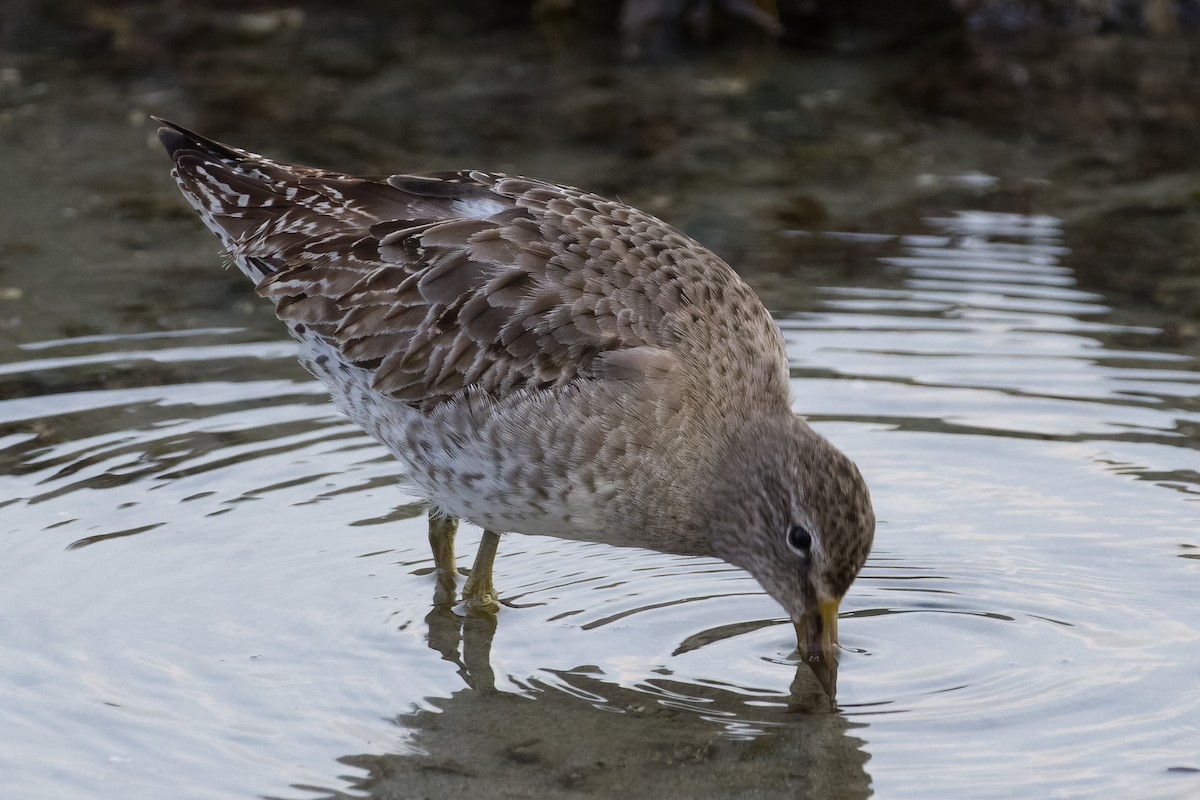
(439, 282)
(434, 306)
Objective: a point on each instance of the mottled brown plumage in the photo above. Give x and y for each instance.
(547, 361)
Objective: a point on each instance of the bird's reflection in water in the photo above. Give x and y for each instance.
(562, 737)
(466, 641)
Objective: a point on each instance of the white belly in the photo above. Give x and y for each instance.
(478, 459)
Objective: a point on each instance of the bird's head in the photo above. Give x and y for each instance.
(796, 514)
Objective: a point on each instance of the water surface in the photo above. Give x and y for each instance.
(215, 584)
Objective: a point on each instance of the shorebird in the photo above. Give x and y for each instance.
(546, 361)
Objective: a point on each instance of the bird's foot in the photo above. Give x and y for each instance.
(479, 596)
(446, 589)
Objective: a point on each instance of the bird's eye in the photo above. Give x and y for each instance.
(799, 539)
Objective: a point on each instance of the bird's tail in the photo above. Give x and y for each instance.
(238, 194)
(261, 210)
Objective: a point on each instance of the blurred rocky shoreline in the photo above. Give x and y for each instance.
(807, 115)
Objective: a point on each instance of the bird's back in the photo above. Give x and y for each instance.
(435, 284)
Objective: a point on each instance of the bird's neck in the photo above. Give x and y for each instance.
(741, 485)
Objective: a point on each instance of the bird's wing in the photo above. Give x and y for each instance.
(435, 283)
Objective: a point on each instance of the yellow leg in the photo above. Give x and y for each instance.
(479, 595)
(441, 541)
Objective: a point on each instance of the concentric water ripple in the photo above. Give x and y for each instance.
(1041, 611)
(211, 575)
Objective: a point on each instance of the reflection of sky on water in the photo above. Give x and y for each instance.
(253, 604)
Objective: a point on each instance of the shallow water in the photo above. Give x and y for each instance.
(216, 587)
(214, 582)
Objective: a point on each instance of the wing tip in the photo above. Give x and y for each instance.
(178, 140)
